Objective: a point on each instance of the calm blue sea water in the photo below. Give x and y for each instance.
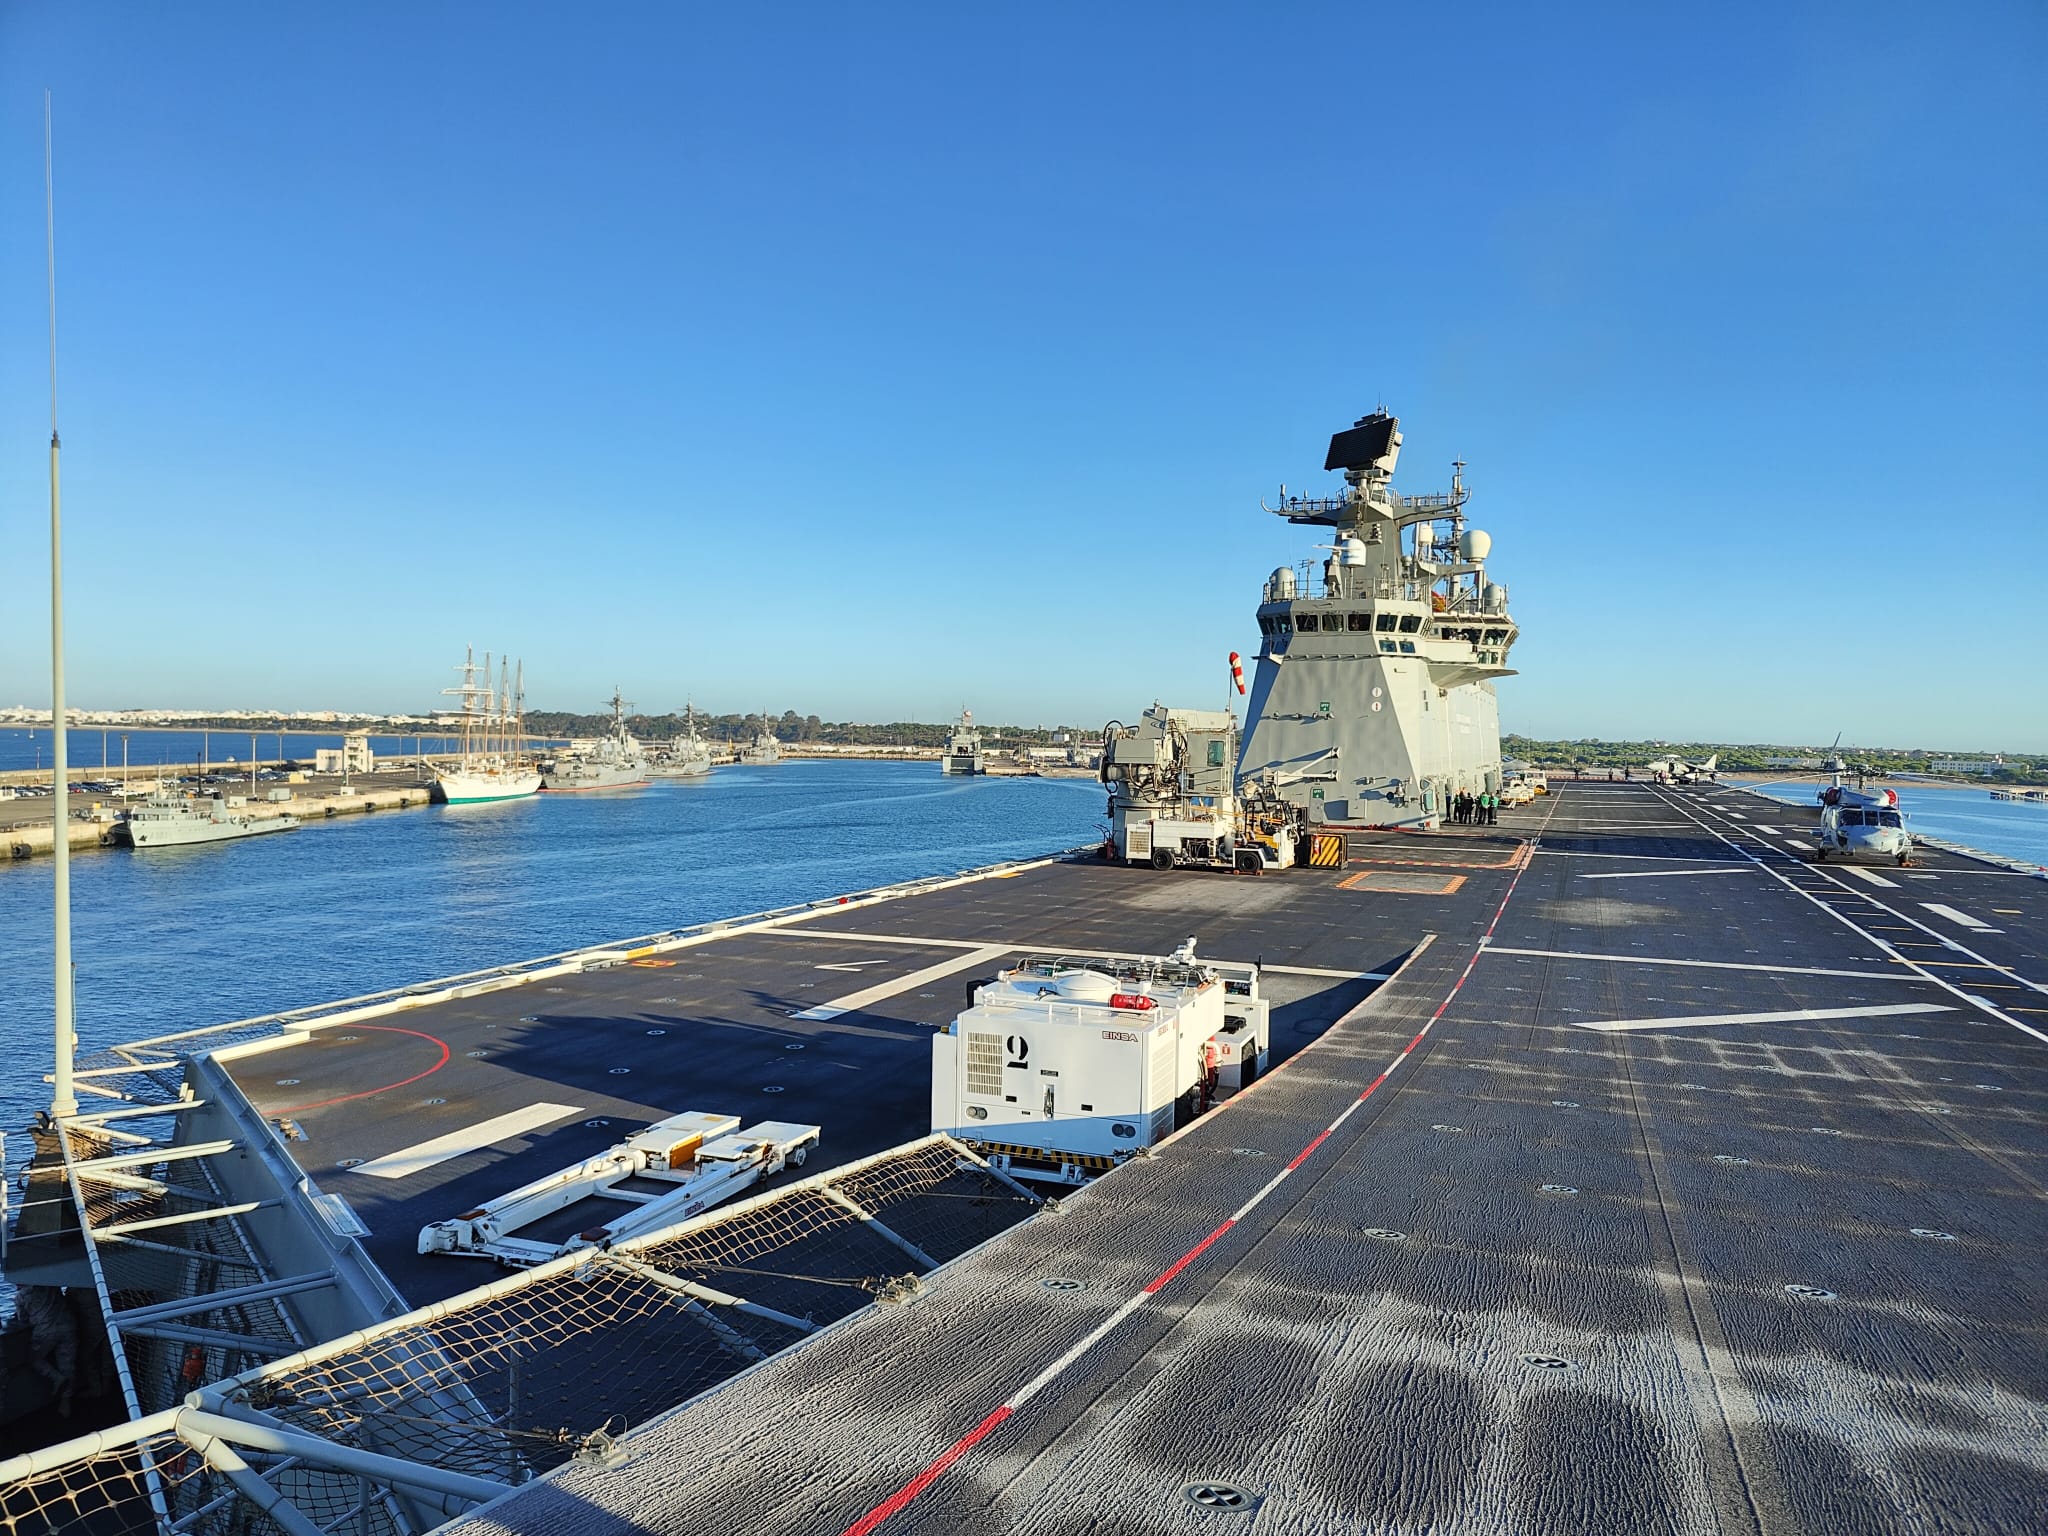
(176, 938)
(1969, 816)
(90, 747)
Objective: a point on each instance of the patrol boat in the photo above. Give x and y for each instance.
(168, 818)
(766, 747)
(1607, 1169)
(963, 748)
(615, 761)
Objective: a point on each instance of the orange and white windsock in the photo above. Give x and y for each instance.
(1237, 670)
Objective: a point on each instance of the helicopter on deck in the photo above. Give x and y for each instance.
(1859, 823)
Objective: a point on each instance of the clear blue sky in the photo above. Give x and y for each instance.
(872, 360)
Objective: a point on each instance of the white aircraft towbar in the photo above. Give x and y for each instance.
(701, 1157)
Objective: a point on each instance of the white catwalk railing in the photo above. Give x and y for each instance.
(395, 1427)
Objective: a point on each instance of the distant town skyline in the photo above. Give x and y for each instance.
(897, 366)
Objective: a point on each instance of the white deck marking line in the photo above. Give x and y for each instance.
(868, 938)
(1673, 874)
(1758, 826)
(1624, 826)
(473, 1138)
(1060, 949)
(1639, 858)
(854, 1001)
(1872, 876)
(1705, 965)
(1784, 1016)
(1975, 923)
(910, 1491)
(1915, 966)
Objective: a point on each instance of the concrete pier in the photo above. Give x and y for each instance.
(93, 825)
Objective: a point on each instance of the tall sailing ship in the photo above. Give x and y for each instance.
(495, 764)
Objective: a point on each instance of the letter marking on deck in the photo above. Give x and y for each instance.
(1788, 1016)
(474, 1138)
(886, 989)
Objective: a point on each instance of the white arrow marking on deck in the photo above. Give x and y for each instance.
(886, 989)
(1788, 1016)
(851, 965)
(474, 1138)
(1672, 874)
(1976, 924)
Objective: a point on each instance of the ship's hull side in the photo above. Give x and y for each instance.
(457, 788)
(599, 776)
(182, 834)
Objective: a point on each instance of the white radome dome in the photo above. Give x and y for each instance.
(1477, 544)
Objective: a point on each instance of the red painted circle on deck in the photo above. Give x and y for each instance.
(343, 1098)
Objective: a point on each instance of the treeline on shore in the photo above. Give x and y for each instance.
(1753, 757)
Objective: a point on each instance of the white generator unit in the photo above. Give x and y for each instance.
(1063, 1067)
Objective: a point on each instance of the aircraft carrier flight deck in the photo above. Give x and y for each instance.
(1672, 1182)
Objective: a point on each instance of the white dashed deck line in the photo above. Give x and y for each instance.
(1974, 924)
(882, 990)
(1704, 965)
(472, 1138)
(1871, 875)
(1786, 1016)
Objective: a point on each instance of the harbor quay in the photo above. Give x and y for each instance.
(27, 825)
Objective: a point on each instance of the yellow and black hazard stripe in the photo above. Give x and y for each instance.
(1326, 850)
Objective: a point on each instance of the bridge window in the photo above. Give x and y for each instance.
(1283, 625)
(1407, 647)
(1386, 645)
(1385, 623)
(1358, 621)
(1265, 625)
(1410, 622)
(1306, 623)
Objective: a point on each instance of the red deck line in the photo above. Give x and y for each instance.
(343, 1098)
(1181, 1263)
(901, 1498)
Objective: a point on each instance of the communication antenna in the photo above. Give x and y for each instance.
(63, 1098)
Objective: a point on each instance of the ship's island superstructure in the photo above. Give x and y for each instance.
(1373, 700)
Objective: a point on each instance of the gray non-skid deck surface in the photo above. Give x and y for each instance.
(1351, 1354)
(715, 1028)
